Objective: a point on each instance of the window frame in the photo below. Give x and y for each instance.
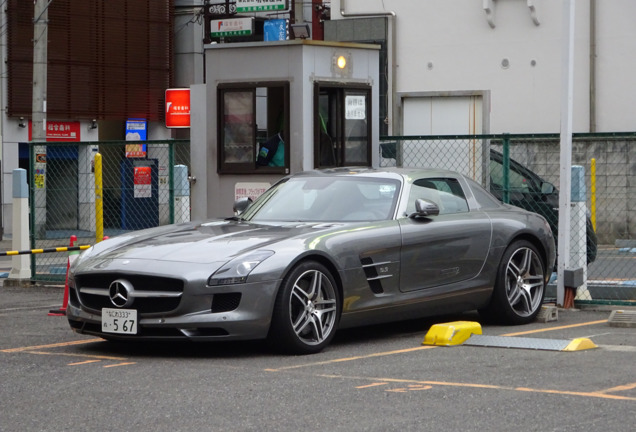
(340, 140)
(251, 167)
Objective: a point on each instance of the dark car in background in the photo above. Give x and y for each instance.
(529, 191)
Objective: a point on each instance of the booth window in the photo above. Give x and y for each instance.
(253, 128)
(342, 128)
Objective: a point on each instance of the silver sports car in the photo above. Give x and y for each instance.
(318, 251)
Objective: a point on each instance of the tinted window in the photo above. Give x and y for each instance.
(447, 193)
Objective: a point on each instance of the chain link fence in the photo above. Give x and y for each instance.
(524, 170)
(143, 184)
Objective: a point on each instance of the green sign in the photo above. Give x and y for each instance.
(231, 27)
(260, 5)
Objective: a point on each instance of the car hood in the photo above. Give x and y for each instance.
(208, 242)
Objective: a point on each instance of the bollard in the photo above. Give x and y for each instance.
(181, 194)
(578, 233)
(20, 265)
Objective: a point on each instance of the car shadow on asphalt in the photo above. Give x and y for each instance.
(247, 349)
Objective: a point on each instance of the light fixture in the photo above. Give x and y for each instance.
(341, 64)
(300, 31)
(22, 123)
(93, 124)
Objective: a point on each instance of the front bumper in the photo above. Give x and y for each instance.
(195, 317)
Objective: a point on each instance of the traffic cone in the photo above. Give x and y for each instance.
(71, 257)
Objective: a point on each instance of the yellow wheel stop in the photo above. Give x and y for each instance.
(452, 333)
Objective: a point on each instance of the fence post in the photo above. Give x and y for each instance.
(506, 168)
(20, 264)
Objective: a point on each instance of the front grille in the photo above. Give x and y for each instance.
(98, 297)
(225, 302)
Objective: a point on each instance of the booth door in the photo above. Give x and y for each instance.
(342, 125)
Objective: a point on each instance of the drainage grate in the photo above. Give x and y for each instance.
(622, 318)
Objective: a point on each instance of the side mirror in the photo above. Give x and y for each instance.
(241, 204)
(547, 188)
(425, 208)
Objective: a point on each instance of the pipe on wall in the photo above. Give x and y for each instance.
(392, 55)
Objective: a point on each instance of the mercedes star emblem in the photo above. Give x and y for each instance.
(121, 292)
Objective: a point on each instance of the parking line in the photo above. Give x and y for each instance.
(409, 382)
(345, 359)
(90, 356)
(619, 388)
(83, 363)
(555, 328)
(61, 344)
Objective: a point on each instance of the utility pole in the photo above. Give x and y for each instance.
(38, 110)
(40, 57)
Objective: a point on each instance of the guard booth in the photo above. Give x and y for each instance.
(269, 109)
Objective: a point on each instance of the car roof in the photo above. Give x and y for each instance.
(388, 172)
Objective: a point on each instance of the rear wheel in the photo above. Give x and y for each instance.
(306, 311)
(520, 285)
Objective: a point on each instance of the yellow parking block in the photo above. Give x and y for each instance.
(452, 333)
(580, 344)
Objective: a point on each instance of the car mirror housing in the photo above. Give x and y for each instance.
(425, 208)
(241, 204)
(547, 188)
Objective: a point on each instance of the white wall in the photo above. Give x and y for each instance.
(448, 46)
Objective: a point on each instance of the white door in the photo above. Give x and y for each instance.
(452, 115)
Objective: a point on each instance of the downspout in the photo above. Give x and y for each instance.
(592, 66)
(391, 56)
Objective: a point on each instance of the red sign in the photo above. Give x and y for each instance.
(178, 108)
(142, 182)
(60, 131)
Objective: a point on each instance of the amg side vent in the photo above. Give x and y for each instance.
(373, 277)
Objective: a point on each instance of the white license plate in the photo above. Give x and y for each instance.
(122, 321)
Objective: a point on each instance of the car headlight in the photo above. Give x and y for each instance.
(237, 270)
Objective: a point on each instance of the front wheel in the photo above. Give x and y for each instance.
(519, 287)
(306, 311)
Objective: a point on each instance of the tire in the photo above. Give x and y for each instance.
(520, 286)
(307, 310)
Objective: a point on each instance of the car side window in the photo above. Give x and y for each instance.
(447, 193)
(518, 183)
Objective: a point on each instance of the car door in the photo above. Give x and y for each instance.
(444, 249)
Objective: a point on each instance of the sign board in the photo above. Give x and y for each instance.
(60, 131)
(249, 189)
(275, 30)
(178, 108)
(142, 182)
(136, 130)
(231, 27)
(355, 108)
(260, 5)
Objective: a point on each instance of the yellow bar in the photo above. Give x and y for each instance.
(99, 203)
(593, 193)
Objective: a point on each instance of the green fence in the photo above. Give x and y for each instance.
(143, 185)
(521, 170)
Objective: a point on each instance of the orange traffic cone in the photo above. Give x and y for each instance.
(62, 311)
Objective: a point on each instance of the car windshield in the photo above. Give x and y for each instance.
(326, 199)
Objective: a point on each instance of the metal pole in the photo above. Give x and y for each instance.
(566, 147)
(40, 58)
(99, 202)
